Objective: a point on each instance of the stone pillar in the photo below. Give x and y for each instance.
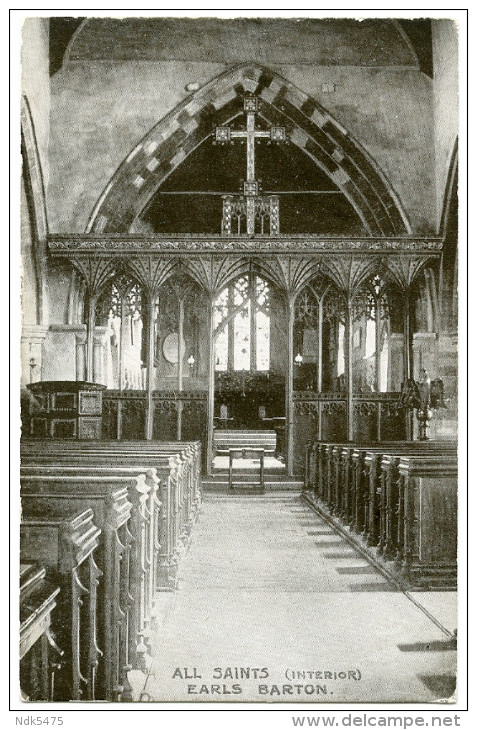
(289, 385)
(90, 316)
(32, 339)
(81, 353)
(64, 352)
(424, 347)
(448, 352)
(377, 347)
(448, 355)
(396, 361)
(99, 342)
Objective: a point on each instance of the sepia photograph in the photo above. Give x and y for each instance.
(238, 474)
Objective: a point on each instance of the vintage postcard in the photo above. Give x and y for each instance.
(239, 373)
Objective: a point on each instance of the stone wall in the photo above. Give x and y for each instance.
(36, 82)
(100, 111)
(446, 102)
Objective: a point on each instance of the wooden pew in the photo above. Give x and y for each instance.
(368, 506)
(177, 515)
(375, 475)
(191, 449)
(361, 487)
(178, 465)
(107, 497)
(145, 516)
(40, 656)
(356, 498)
(190, 453)
(429, 491)
(392, 518)
(329, 464)
(64, 541)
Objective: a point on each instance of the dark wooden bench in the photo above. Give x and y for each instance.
(64, 541)
(40, 656)
(107, 498)
(429, 527)
(145, 516)
(359, 485)
(177, 465)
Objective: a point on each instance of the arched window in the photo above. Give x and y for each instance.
(242, 326)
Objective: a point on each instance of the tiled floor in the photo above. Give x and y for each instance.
(270, 592)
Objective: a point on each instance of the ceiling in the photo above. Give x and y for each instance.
(347, 42)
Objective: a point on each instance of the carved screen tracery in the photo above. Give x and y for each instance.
(318, 338)
(120, 311)
(371, 337)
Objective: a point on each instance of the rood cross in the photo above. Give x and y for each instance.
(226, 134)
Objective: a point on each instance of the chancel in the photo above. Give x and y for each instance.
(239, 296)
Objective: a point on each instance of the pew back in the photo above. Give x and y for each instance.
(64, 540)
(362, 486)
(107, 498)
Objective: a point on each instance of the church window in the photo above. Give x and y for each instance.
(242, 326)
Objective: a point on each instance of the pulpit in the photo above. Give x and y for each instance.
(66, 409)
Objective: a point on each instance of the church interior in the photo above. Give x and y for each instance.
(240, 302)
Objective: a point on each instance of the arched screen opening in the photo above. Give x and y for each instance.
(242, 326)
(120, 311)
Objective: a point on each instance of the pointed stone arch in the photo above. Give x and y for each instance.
(312, 129)
(32, 178)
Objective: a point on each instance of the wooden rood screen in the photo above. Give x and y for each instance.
(109, 522)
(177, 416)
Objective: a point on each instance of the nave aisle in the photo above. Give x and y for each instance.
(273, 605)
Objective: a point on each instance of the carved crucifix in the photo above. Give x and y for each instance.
(251, 133)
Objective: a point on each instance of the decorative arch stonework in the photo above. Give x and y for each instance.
(311, 128)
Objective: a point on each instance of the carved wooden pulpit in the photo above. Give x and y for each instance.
(66, 409)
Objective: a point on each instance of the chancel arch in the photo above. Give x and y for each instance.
(310, 128)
